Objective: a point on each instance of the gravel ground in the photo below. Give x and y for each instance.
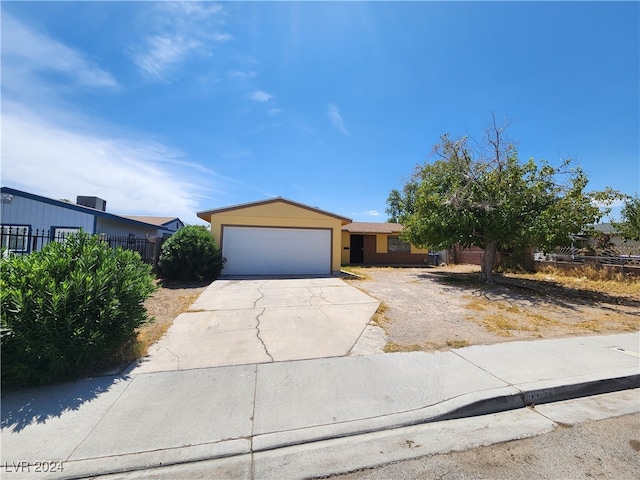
(447, 307)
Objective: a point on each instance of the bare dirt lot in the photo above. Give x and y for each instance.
(439, 308)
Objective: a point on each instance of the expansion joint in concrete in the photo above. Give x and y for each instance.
(253, 422)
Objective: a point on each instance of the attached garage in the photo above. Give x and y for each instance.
(264, 250)
(277, 237)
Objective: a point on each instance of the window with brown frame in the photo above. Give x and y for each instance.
(395, 245)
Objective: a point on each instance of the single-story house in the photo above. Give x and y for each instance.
(26, 217)
(376, 243)
(614, 237)
(280, 236)
(277, 236)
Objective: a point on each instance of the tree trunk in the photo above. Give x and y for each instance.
(488, 259)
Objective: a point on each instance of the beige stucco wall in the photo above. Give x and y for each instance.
(280, 214)
(415, 249)
(346, 248)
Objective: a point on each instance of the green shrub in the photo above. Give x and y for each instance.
(68, 307)
(190, 254)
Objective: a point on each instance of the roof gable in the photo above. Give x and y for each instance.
(159, 221)
(206, 214)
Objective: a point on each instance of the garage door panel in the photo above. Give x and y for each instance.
(265, 251)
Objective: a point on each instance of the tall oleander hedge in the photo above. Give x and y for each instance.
(67, 307)
(190, 254)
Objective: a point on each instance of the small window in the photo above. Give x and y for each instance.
(395, 245)
(15, 238)
(60, 233)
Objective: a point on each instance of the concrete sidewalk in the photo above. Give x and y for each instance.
(255, 421)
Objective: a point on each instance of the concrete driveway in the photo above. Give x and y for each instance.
(246, 321)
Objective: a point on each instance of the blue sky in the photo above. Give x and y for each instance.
(168, 108)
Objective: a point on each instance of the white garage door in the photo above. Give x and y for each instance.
(266, 251)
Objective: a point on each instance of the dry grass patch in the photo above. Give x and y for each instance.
(457, 343)
(358, 272)
(601, 280)
(541, 320)
(379, 317)
(393, 347)
(503, 326)
(479, 305)
(554, 302)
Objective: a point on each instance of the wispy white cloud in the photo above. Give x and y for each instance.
(134, 176)
(260, 96)
(51, 149)
(179, 30)
(27, 53)
(333, 112)
(372, 213)
(161, 52)
(274, 111)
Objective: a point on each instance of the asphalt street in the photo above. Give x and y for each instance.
(607, 449)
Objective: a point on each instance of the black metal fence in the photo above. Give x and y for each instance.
(19, 240)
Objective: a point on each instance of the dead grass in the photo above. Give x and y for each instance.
(547, 303)
(360, 273)
(379, 317)
(603, 280)
(457, 343)
(392, 347)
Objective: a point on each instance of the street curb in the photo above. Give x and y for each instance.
(272, 442)
(542, 396)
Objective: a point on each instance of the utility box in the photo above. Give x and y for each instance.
(92, 202)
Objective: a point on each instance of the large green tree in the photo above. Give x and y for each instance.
(400, 203)
(629, 226)
(480, 193)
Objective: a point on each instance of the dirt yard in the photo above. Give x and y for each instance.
(448, 307)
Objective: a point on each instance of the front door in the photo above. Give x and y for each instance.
(357, 249)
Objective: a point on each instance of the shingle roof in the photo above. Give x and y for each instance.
(372, 227)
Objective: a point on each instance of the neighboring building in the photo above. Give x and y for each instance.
(166, 225)
(33, 215)
(615, 238)
(373, 243)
